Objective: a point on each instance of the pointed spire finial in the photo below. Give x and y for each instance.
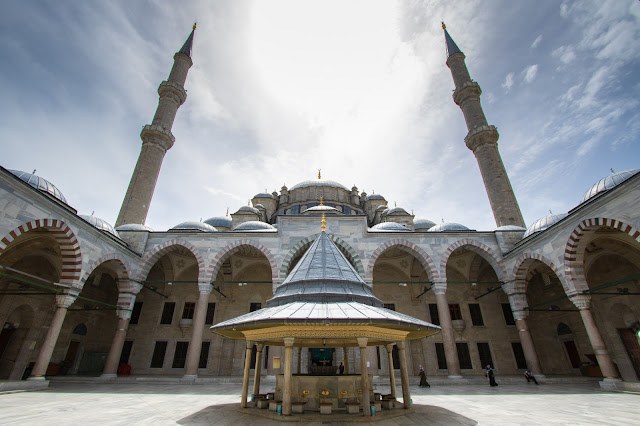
(444, 27)
(195, 24)
(321, 201)
(227, 215)
(323, 222)
(319, 176)
(395, 204)
(249, 203)
(612, 171)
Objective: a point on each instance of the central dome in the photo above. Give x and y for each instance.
(318, 182)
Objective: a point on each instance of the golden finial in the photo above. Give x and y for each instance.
(412, 213)
(319, 176)
(227, 215)
(194, 25)
(373, 191)
(444, 27)
(249, 203)
(323, 222)
(395, 204)
(321, 201)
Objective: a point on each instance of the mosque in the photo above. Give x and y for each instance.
(79, 297)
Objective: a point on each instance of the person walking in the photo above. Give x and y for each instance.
(491, 376)
(529, 376)
(423, 379)
(341, 368)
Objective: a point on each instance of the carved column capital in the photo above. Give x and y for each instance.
(520, 315)
(249, 345)
(582, 301)
(288, 341)
(205, 287)
(362, 342)
(439, 286)
(400, 345)
(65, 300)
(389, 347)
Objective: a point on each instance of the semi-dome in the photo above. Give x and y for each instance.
(100, 224)
(321, 209)
(450, 226)
(254, 225)
(398, 210)
(222, 221)
(259, 206)
(248, 209)
(423, 224)
(608, 182)
(263, 195)
(382, 207)
(40, 183)
(375, 197)
(318, 182)
(389, 226)
(194, 226)
(544, 223)
(134, 227)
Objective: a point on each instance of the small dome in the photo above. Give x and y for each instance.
(248, 209)
(133, 227)
(222, 221)
(259, 206)
(382, 207)
(544, 223)
(397, 210)
(264, 195)
(254, 225)
(389, 226)
(321, 209)
(375, 197)
(194, 226)
(450, 226)
(510, 228)
(40, 183)
(608, 182)
(100, 224)
(423, 224)
(318, 182)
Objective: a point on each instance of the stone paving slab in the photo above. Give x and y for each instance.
(218, 404)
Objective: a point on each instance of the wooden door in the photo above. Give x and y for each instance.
(630, 342)
(572, 351)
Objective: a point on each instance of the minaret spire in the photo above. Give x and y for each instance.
(157, 139)
(482, 139)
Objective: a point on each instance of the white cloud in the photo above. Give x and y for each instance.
(536, 42)
(530, 73)
(566, 54)
(508, 81)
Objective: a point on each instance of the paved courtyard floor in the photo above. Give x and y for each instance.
(218, 404)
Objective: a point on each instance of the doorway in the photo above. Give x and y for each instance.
(630, 342)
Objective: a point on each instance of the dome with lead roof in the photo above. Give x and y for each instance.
(389, 226)
(222, 221)
(194, 226)
(423, 224)
(608, 182)
(264, 195)
(450, 226)
(100, 224)
(544, 223)
(375, 197)
(248, 209)
(254, 225)
(321, 209)
(134, 227)
(318, 182)
(40, 183)
(397, 210)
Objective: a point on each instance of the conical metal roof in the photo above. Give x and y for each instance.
(324, 275)
(452, 47)
(188, 45)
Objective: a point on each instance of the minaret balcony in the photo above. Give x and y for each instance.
(480, 136)
(157, 135)
(173, 90)
(468, 89)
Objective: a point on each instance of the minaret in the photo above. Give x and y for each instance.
(482, 139)
(156, 139)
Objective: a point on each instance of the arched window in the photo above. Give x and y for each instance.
(563, 329)
(80, 329)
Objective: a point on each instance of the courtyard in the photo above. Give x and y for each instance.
(218, 404)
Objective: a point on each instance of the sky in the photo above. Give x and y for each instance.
(358, 89)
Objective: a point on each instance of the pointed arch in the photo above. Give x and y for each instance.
(480, 249)
(303, 244)
(524, 261)
(216, 263)
(121, 267)
(427, 263)
(576, 244)
(151, 257)
(70, 252)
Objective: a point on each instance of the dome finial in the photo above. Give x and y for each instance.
(444, 27)
(249, 203)
(319, 176)
(195, 23)
(323, 222)
(395, 204)
(612, 171)
(321, 201)
(227, 215)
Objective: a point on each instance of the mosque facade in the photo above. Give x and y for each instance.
(80, 297)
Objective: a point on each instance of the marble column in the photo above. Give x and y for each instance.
(245, 378)
(63, 301)
(392, 373)
(366, 398)
(128, 291)
(195, 346)
(448, 337)
(345, 350)
(288, 367)
(257, 369)
(583, 303)
(404, 372)
(530, 354)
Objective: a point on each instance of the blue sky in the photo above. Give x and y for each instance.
(359, 89)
